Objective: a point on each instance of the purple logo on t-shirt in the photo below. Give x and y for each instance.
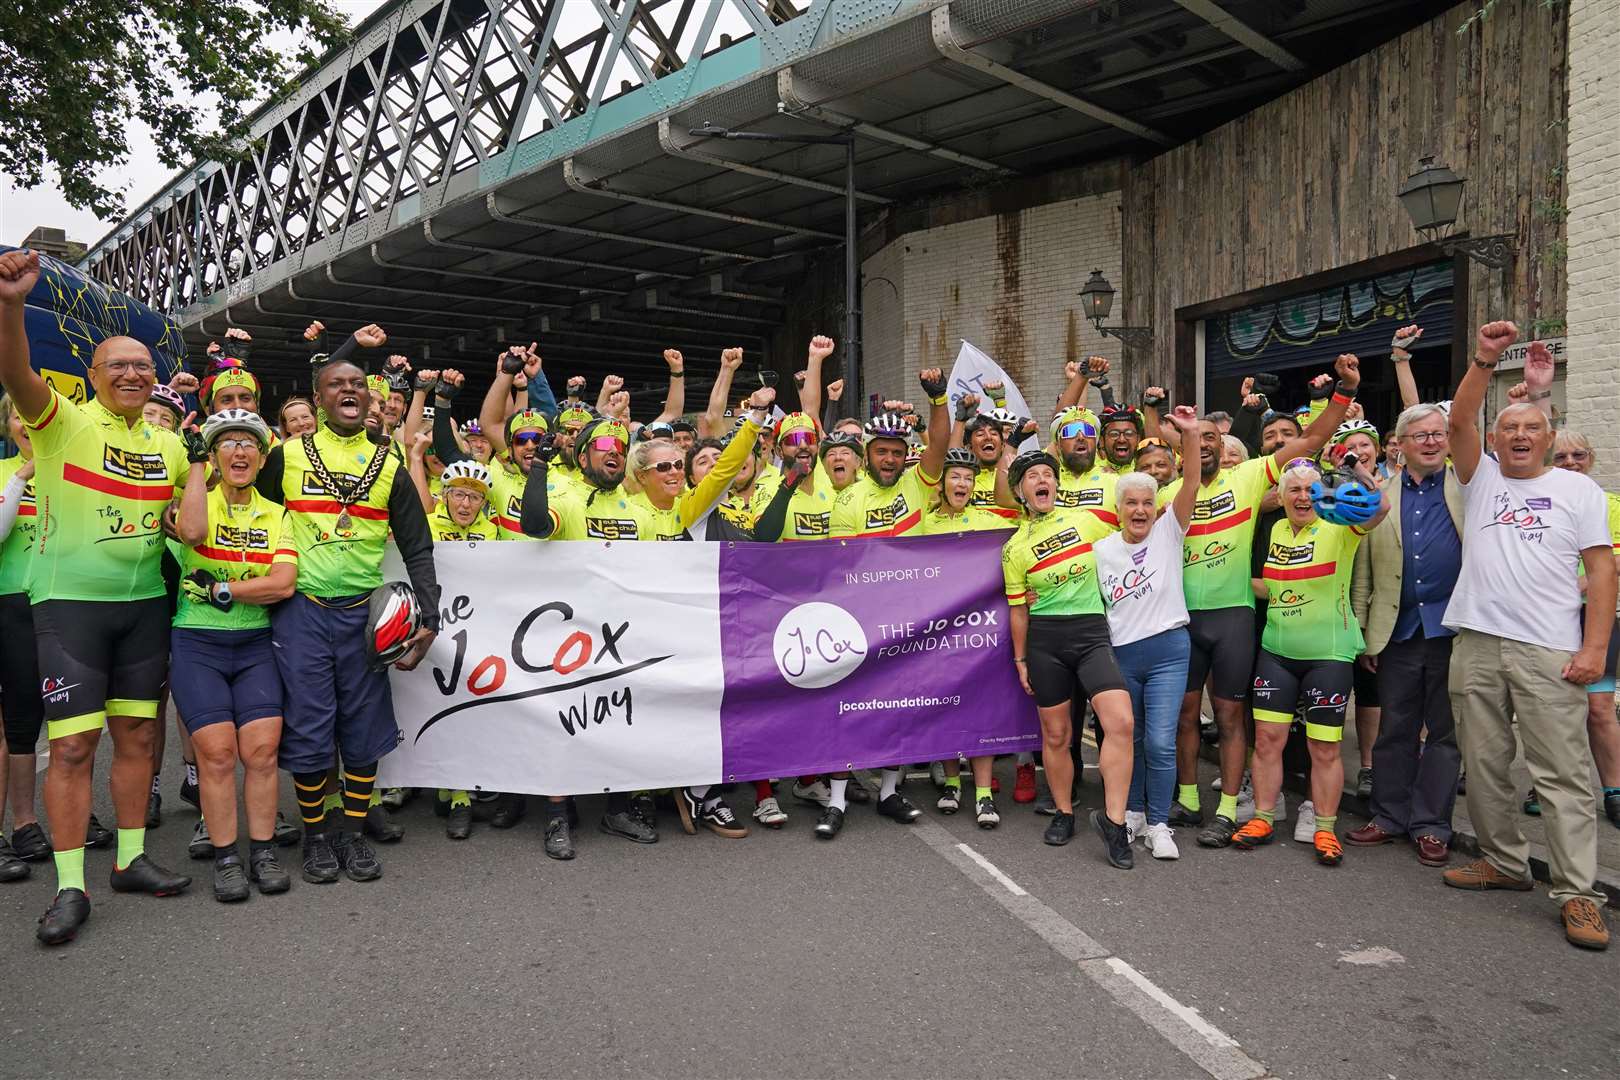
(1538, 504)
(1138, 555)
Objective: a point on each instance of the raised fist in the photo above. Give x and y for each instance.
(314, 330)
(1321, 387)
(1400, 346)
(511, 361)
(1494, 339)
(426, 378)
(966, 406)
(371, 336)
(932, 381)
(184, 382)
(238, 333)
(619, 402)
(674, 359)
(396, 363)
(1154, 397)
(213, 348)
(731, 359)
(821, 347)
(799, 378)
(1097, 365)
(1348, 367)
(763, 398)
(19, 270)
(1520, 394)
(835, 389)
(612, 384)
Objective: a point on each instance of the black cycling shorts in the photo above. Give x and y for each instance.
(1365, 684)
(19, 675)
(1067, 649)
(1320, 689)
(100, 658)
(1223, 648)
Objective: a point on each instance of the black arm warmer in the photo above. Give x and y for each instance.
(768, 529)
(1247, 427)
(414, 540)
(444, 438)
(536, 509)
(270, 473)
(344, 351)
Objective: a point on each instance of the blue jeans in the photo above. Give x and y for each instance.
(1155, 671)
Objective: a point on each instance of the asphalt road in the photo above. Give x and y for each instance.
(894, 951)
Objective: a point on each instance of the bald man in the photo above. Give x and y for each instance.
(104, 479)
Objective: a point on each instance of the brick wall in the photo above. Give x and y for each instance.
(1007, 282)
(1593, 369)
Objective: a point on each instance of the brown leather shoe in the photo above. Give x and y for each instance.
(1583, 924)
(1432, 851)
(1371, 835)
(1480, 874)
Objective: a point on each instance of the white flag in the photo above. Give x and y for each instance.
(969, 374)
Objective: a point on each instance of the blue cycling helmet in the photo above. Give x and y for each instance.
(1351, 503)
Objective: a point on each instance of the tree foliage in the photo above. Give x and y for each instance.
(74, 75)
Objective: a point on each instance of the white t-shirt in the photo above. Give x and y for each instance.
(1521, 550)
(1141, 583)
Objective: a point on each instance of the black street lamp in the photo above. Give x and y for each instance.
(852, 345)
(1433, 198)
(1098, 299)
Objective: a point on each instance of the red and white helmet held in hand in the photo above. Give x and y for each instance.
(391, 623)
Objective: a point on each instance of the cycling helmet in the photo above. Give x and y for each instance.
(687, 426)
(377, 385)
(232, 376)
(1005, 417)
(1353, 427)
(524, 419)
(574, 414)
(466, 473)
(392, 619)
(835, 439)
(887, 426)
(235, 420)
(986, 420)
(1072, 414)
(472, 427)
(1348, 504)
(659, 429)
(958, 457)
(170, 399)
(1025, 462)
(1120, 414)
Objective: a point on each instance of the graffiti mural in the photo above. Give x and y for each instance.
(68, 314)
(1303, 320)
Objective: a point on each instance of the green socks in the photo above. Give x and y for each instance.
(459, 798)
(376, 798)
(131, 845)
(1227, 808)
(981, 793)
(1187, 795)
(1325, 824)
(333, 801)
(70, 869)
(954, 782)
(1267, 816)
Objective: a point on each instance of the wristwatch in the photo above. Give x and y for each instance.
(222, 592)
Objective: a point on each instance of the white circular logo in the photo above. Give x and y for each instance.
(818, 644)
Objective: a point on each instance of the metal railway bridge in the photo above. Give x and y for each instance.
(472, 172)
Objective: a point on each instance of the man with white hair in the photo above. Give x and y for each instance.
(1405, 573)
(1521, 649)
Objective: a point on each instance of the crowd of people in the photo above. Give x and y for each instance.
(170, 543)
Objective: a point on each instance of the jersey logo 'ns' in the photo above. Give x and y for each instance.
(812, 524)
(1071, 497)
(1216, 505)
(133, 465)
(610, 529)
(1055, 543)
(883, 517)
(230, 536)
(1284, 555)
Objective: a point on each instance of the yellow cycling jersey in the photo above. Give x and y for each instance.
(243, 541)
(937, 522)
(1220, 537)
(866, 508)
(1307, 576)
(984, 497)
(696, 502)
(809, 509)
(1051, 557)
(17, 551)
(1092, 490)
(444, 527)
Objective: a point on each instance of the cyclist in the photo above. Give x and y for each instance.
(235, 563)
(165, 409)
(19, 664)
(1310, 644)
(1139, 571)
(1360, 438)
(955, 513)
(344, 492)
(983, 435)
(1220, 599)
(100, 614)
(1122, 430)
(296, 417)
(888, 500)
(1060, 638)
(1157, 460)
(1082, 481)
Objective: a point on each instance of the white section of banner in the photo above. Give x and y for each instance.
(565, 668)
(969, 374)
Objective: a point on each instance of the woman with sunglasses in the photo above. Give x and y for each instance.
(1573, 451)
(236, 562)
(1060, 640)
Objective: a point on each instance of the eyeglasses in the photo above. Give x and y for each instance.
(668, 466)
(121, 367)
(236, 444)
(798, 438)
(464, 494)
(1425, 436)
(1572, 455)
(526, 438)
(607, 442)
(1077, 427)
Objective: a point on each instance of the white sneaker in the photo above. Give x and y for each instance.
(936, 773)
(1245, 801)
(1280, 812)
(1305, 824)
(769, 813)
(1135, 825)
(1161, 842)
(818, 792)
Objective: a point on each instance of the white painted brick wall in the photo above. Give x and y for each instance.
(1593, 369)
(1007, 283)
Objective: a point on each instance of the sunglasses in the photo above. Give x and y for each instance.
(527, 438)
(1155, 441)
(1300, 462)
(607, 442)
(1076, 428)
(798, 438)
(668, 466)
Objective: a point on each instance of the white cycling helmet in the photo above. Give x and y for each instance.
(235, 420)
(468, 473)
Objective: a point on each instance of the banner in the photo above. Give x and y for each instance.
(969, 374)
(569, 668)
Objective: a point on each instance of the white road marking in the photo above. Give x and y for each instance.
(990, 868)
(1207, 1046)
(1376, 956)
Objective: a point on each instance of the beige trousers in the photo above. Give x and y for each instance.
(1493, 680)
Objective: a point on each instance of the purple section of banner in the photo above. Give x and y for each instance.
(860, 654)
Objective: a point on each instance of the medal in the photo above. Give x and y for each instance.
(349, 490)
(343, 521)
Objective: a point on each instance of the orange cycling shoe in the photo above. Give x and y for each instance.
(1255, 833)
(1328, 851)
